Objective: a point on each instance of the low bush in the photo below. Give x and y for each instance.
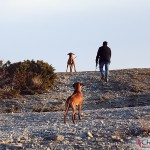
(28, 77)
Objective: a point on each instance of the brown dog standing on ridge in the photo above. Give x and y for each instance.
(74, 100)
(71, 62)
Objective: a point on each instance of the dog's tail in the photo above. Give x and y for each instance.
(67, 104)
(66, 108)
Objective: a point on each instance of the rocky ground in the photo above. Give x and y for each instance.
(115, 114)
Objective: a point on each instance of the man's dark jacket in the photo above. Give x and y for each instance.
(103, 54)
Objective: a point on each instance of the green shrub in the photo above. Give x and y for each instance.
(28, 77)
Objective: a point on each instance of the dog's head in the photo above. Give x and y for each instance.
(77, 85)
(71, 55)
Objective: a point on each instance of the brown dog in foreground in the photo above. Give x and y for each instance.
(74, 100)
(71, 62)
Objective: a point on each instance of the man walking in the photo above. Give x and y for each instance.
(104, 56)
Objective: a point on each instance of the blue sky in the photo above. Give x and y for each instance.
(48, 29)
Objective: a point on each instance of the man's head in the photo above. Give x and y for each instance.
(70, 54)
(104, 43)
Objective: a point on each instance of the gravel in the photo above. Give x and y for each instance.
(99, 129)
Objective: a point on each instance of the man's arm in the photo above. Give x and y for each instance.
(97, 57)
(110, 53)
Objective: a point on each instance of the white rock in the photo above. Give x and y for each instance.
(89, 134)
(60, 138)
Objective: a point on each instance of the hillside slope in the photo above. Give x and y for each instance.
(126, 88)
(115, 114)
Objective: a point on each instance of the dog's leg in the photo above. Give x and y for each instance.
(73, 113)
(67, 68)
(71, 68)
(74, 67)
(79, 111)
(74, 116)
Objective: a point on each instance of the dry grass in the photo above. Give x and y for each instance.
(42, 108)
(37, 81)
(145, 126)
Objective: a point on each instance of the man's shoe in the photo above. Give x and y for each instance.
(103, 77)
(106, 80)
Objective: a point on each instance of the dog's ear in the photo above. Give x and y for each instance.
(81, 84)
